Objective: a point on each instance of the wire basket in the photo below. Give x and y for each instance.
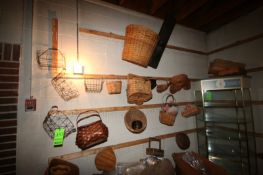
(51, 59)
(57, 119)
(139, 44)
(93, 85)
(64, 87)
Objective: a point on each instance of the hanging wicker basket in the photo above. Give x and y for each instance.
(139, 44)
(114, 87)
(138, 89)
(135, 120)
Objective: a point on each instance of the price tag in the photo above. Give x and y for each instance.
(208, 96)
(59, 137)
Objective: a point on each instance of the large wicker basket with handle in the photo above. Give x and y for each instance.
(138, 89)
(139, 44)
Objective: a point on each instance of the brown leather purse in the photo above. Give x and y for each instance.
(90, 134)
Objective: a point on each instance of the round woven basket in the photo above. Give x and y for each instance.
(133, 116)
(114, 87)
(139, 44)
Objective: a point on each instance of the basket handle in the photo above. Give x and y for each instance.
(154, 139)
(168, 96)
(95, 113)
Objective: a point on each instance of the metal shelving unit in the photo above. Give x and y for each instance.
(226, 124)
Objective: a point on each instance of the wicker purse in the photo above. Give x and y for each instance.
(168, 112)
(90, 134)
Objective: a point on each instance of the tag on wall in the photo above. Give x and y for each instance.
(59, 137)
(30, 104)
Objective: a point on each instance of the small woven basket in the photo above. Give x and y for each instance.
(138, 89)
(139, 44)
(114, 87)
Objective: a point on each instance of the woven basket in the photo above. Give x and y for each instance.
(132, 116)
(167, 118)
(138, 90)
(139, 44)
(114, 87)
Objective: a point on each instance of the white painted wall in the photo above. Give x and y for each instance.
(249, 53)
(103, 56)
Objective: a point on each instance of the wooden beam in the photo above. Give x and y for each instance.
(189, 8)
(156, 4)
(231, 15)
(88, 152)
(255, 69)
(216, 12)
(54, 63)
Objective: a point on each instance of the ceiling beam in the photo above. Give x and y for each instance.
(218, 11)
(156, 5)
(232, 15)
(188, 8)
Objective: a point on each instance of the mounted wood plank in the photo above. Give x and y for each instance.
(120, 77)
(7, 169)
(7, 161)
(4, 154)
(237, 43)
(8, 108)
(7, 93)
(119, 146)
(11, 115)
(258, 102)
(6, 131)
(6, 146)
(8, 85)
(8, 123)
(9, 64)
(255, 69)
(54, 63)
(119, 108)
(8, 138)
(8, 101)
(9, 71)
(120, 37)
(157, 4)
(6, 78)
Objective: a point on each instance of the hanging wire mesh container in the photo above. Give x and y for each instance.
(51, 59)
(57, 119)
(93, 85)
(64, 88)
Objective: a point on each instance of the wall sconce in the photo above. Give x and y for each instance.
(78, 68)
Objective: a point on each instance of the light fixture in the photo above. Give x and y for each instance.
(77, 67)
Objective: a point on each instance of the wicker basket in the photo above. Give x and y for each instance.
(135, 116)
(138, 89)
(114, 87)
(93, 85)
(139, 44)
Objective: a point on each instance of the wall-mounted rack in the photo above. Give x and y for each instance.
(111, 76)
(88, 152)
(120, 108)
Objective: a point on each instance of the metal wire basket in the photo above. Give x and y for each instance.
(57, 119)
(64, 87)
(93, 85)
(51, 59)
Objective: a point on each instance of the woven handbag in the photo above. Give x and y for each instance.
(169, 111)
(91, 134)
